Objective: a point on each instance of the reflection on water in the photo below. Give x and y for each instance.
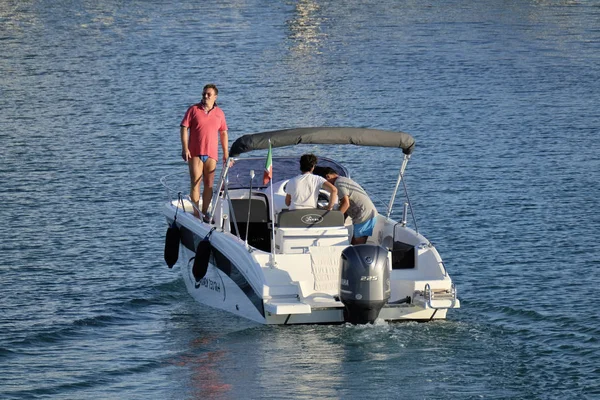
(203, 369)
(305, 29)
(288, 361)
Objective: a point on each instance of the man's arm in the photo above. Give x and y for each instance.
(225, 145)
(288, 200)
(333, 197)
(344, 204)
(185, 151)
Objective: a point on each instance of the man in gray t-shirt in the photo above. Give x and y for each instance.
(356, 203)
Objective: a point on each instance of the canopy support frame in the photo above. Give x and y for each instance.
(400, 178)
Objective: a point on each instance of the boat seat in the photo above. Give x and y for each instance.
(259, 232)
(309, 218)
(259, 210)
(299, 230)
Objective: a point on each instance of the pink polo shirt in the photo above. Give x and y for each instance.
(204, 130)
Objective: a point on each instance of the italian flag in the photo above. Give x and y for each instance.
(268, 173)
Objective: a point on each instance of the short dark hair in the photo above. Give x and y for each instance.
(211, 86)
(324, 171)
(308, 162)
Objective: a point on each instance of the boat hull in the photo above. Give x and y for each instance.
(246, 282)
(226, 288)
(216, 289)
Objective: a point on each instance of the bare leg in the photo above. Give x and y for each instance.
(208, 178)
(195, 166)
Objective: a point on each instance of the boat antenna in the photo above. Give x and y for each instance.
(249, 205)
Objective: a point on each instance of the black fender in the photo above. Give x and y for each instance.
(203, 252)
(172, 240)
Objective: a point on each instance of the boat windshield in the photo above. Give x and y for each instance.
(283, 168)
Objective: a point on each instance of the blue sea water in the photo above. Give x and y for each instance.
(501, 96)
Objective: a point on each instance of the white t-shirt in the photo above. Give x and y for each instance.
(304, 190)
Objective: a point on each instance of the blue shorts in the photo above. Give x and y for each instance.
(364, 228)
(203, 158)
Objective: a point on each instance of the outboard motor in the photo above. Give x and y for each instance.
(365, 282)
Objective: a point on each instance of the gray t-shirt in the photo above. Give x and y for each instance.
(361, 207)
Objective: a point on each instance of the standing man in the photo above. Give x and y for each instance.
(302, 191)
(205, 123)
(354, 201)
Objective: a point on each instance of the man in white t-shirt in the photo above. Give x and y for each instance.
(302, 191)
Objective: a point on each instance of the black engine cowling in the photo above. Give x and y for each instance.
(365, 282)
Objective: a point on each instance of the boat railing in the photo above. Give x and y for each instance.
(165, 181)
(175, 193)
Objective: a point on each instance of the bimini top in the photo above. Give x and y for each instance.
(323, 135)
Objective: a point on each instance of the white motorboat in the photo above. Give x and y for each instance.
(258, 260)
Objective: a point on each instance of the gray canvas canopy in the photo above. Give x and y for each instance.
(323, 135)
